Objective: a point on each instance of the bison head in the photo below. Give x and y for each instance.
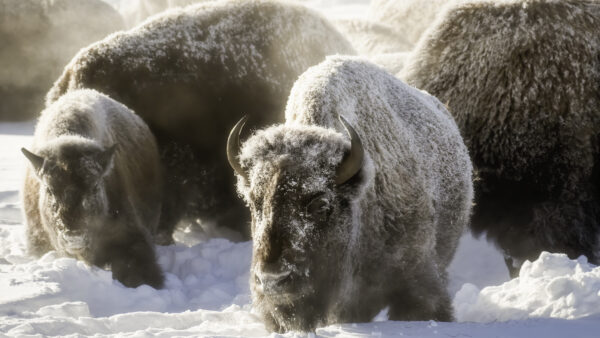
(70, 172)
(299, 183)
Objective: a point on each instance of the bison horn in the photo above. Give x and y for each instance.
(233, 147)
(36, 161)
(352, 162)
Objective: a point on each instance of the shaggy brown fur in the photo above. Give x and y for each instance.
(521, 78)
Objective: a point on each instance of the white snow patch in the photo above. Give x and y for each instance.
(553, 286)
(476, 262)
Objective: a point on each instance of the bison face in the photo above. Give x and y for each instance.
(72, 196)
(302, 224)
(300, 230)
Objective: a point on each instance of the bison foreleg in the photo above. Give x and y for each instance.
(423, 297)
(38, 242)
(131, 257)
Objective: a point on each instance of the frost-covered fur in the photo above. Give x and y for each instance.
(521, 79)
(191, 74)
(370, 38)
(408, 18)
(37, 39)
(89, 199)
(383, 238)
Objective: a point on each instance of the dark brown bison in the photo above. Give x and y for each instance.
(343, 228)
(521, 79)
(93, 188)
(191, 74)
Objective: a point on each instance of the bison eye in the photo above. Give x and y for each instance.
(258, 204)
(318, 208)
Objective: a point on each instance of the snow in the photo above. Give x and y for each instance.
(552, 286)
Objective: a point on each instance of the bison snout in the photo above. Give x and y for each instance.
(73, 241)
(273, 281)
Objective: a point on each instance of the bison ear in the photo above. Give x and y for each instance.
(36, 161)
(105, 159)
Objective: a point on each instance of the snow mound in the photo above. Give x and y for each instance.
(552, 286)
(211, 275)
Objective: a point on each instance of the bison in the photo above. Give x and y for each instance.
(191, 73)
(37, 39)
(93, 187)
(521, 79)
(408, 18)
(372, 38)
(344, 226)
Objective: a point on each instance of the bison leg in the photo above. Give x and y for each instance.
(38, 242)
(137, 266)
(424, 297)
(131, 257)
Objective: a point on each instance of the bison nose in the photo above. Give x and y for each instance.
(73, 232)
(272, 281)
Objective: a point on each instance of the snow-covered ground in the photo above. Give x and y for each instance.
(207, 290)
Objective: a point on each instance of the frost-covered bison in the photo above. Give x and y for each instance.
(408, 18)
(521, 79)
(191, 74)
(372, 38)
(93, 189)
(37, 39)
(343, 228)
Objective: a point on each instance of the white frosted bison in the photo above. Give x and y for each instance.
(191, 74)
(93, 187)
(344, 226)
(521, 79)
(37, 39)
